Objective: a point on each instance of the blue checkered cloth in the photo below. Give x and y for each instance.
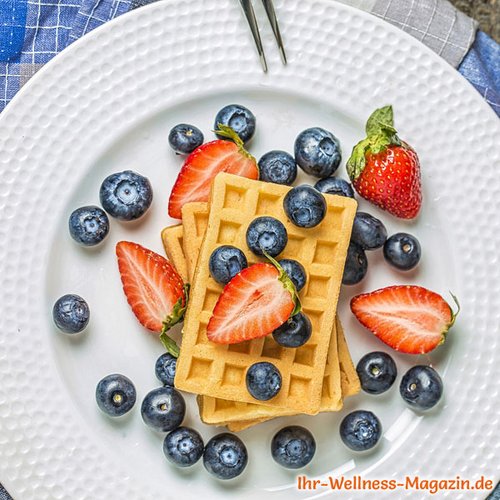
(32, 32)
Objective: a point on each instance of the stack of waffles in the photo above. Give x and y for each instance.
(317, 376)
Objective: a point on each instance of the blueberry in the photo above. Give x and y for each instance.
(295, 271)
(266, 234)
(335, 185)
(293, 447)
(239, 118)
(126, 195)
(88, 225)
(356, 265)
(115, 395)
(225, 263)
(263, 380)
(421, 387)
(377, 372)
(294, 332)
(305, 206)
(317, 152)
(183, 446)
(278, 167)
(163, 409)
(165, 368)
(71, 313)
(184, 138)
(402, 251)
(225, 456)
(368, 231)
(360, 430)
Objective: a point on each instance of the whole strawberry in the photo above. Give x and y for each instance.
(384, 169)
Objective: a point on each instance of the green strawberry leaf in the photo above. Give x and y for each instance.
(356, 163)
(380, 117)
(229, 133)
(387, 136)
(178, 311)
(380, 133)
(172, 319)
(170, 345)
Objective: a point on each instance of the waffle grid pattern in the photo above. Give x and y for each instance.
(219, 370)
(350, 384)
(243, 415)
(215, 410)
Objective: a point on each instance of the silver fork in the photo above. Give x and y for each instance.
(254, 27)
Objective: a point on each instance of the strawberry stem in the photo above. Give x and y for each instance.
(172, 319)
(287, 283)
(382, 117)
(454, 314)
(229, 133)
(380, 134)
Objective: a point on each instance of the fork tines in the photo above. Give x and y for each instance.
(254, 27)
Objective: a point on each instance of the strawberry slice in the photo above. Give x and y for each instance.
(410, 319)
(154, 289)
(253, 304)
(204, 163)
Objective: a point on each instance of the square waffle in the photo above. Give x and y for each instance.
(349, 383)
(172, 237)
(195, 226)
(218, 370)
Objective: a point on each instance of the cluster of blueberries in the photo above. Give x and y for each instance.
(126, 196)
(421, 387)
(163, 410)
(401, 250)
(225, 455)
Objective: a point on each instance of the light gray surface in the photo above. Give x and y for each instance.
(436, 23)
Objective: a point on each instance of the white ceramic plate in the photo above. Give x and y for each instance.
(107, 104)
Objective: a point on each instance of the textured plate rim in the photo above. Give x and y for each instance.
(81, 45)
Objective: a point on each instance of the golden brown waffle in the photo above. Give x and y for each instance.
(348, 376)
(218, 370)
(214, 411)
(217, 411)
(172, 237)
(194, 221)
(241, 425)
(349, 383)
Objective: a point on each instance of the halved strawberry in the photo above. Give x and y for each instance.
(204, 163)
(253, 304)
(410, 319)
(154, 289)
